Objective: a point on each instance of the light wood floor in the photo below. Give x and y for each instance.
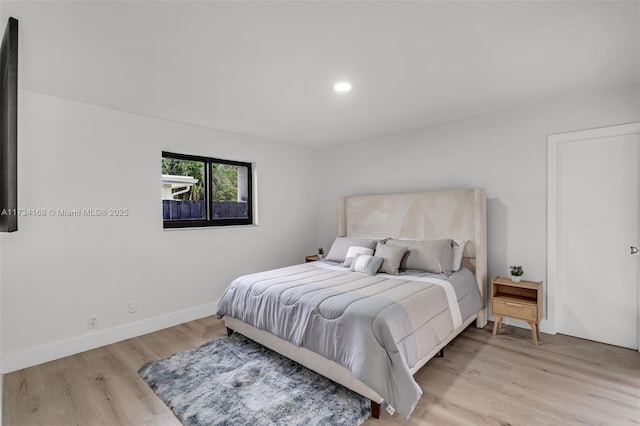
(483, 379)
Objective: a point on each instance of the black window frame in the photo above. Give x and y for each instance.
(209, 221)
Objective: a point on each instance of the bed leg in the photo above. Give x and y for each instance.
(229, 332)
(441, 353)
(375, 410)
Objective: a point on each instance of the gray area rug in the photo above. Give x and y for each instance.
(235, 381)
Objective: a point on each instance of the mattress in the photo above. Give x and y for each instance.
(377, 326)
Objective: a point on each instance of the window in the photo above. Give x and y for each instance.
(202, 191)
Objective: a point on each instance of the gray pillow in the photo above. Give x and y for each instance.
(366, 263)
(392, 257)
(338, 250)
(432, 256)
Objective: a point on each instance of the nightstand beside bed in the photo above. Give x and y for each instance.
(520, 300)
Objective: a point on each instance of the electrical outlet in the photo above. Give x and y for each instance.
(92, 322)
(133, 307)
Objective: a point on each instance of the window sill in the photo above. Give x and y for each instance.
(195, 228)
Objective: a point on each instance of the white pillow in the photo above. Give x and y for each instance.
(366, 264)
(458, 249)
(353, 251)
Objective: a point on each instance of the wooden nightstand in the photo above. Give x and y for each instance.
(311, 258)
(521, 300)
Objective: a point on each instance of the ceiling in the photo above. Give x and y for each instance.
(267, 69)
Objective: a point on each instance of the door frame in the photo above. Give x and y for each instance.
(553, 143)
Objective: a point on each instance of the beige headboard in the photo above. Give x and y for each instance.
(424, 216)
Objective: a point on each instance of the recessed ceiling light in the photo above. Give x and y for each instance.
(343, 86)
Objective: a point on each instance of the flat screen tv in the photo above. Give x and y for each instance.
(9, 128)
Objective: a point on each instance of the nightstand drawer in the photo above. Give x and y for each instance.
(512, 309)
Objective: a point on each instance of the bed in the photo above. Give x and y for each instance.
(371, 333)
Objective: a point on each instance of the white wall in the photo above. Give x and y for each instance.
(506, 154)
(58, 270)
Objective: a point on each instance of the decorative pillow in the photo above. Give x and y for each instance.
(458, 249)
(351, 254)
(340, 246)
(432, 256)
(392, 257)
(366, 263)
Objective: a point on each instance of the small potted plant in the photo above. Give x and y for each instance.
(516, 273)
(320, 252)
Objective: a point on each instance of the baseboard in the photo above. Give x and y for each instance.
(52, 351)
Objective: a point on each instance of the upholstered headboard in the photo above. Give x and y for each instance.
(424, 216)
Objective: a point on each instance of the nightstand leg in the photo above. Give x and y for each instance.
(496, 324)
(538, 330)
(534, 333)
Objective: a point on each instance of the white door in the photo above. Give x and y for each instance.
(598, 208)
